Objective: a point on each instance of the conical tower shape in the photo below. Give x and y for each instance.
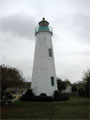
(44, 74)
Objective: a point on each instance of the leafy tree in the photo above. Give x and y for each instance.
(74, 88)
(29, 93)
(10, 77)
(43, 94)
(81, 92)
(79, 84)
(61, 85)
(67, 82)
(56, 93)
(86, 81)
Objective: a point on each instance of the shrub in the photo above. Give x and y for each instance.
(6, 97)
(56, 93)
(61, 85)
(43, 94)
(74, 89)
(62, 97)
(87, 87)
(43, 98)
(29, 93)
(28, 96)
(37, 98)
(81, 92)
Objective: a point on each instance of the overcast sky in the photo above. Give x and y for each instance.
(70, 20)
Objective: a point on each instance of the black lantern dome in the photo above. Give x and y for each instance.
(43, 22)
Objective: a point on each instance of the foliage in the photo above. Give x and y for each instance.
(62, 97)
(43, 94)
(43, 98)
(86, 80)
(56, 93)
(37, 98)
(10, 77)
(83, 86)
(86, 75)
(29, 96)
(61, 85)
(74, 88)
(67, 82)
(87, 88)
(81, 92)
(59, 96)
(6, 97)
(29, 93)
(79, 84)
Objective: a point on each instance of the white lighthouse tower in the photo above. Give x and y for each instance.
(44, 75)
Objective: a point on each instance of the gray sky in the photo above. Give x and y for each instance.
(70, 20)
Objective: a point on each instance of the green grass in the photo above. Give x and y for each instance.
(75, 108)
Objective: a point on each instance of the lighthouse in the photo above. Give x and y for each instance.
(44, 74)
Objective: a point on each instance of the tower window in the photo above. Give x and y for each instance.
(50, 52)
(52, 81)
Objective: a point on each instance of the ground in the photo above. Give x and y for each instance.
(75, 108)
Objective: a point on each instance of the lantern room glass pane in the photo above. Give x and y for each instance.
(43, 28)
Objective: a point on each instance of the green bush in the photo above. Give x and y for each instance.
(57, 96)
(6, 97)
(74, 88)
(43, 98)
(43, 94)
(29, 93)
(81, 92)
(56, 93)
(27, 98)
(37, 98)
(62, 97)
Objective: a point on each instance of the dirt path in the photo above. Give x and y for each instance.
(17, 96)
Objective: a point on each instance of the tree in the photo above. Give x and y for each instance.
(86, 81)
(56, 93)
(67, 82)
(79, 84)
(10, 77)
(61, 85)
(81, 92)
(74, 88)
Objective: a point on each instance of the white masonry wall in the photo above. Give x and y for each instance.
(44, 66)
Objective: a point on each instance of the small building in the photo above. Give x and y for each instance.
(21, 88)
(68, 89)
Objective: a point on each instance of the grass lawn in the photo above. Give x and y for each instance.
(75, 108)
